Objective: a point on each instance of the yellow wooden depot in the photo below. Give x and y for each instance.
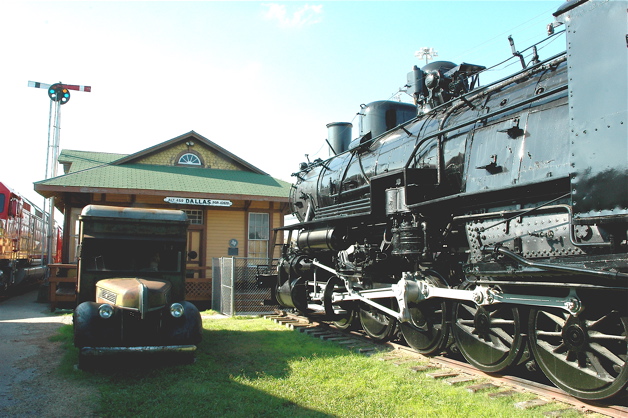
(232, 205)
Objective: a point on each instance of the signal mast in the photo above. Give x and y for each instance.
(59, 94)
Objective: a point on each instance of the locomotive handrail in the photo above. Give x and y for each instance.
(497, 249)
(482, 93)
(521, 212)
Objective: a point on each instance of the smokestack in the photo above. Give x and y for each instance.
(338, 137)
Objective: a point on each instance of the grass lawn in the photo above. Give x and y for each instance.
(252, 367)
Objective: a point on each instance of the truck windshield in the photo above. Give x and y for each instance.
(131, 255)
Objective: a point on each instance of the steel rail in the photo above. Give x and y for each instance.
(543, 391)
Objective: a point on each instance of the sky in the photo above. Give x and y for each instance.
(260, 79)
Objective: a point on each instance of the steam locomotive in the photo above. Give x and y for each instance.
(22, 235)
(488, 220)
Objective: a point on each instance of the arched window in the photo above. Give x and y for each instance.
(189, 159)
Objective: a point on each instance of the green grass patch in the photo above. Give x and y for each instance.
(256, 368)
(210, 312)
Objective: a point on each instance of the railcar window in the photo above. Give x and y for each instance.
(2, 203)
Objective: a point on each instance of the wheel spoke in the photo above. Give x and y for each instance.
(495, 313)
(549, 347)
(592, 324)
(494, 342)
(472, 310)
(595, 335)
(560, 321)
(503, 335)
(468, 329)
(549, 333)
(502, 322)
(570, 359)
(601, 373)
(607, 353)
(498, 344)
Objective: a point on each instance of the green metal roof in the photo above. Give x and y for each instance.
(93, 172)
(87, 159)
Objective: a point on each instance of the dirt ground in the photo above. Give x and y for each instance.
(30, 386)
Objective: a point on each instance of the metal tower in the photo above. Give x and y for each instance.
(59, 94)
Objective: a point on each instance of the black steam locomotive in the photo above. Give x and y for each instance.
(492, 222)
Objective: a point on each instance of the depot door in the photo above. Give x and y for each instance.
(195, 266)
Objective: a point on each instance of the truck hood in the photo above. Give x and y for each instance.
(134, 293)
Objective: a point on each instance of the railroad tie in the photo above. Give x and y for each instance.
(561, 412)
(404, 361)
(531, 403)
(442, 375)
(285, 322)
(297, 325)
(481, 386)
(460, 379)
(349, 341)
(311, 330)
(335, 338)
(502, 394)
(424, 367)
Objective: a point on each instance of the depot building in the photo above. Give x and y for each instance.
(232, 205)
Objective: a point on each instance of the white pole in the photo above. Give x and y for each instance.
(51, 171)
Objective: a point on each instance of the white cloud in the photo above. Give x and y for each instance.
(304, 16)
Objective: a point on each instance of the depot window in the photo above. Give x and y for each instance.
(189, 159)
(194, 216)
(259, 228)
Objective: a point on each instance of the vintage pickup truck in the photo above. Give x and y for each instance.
(131, 284)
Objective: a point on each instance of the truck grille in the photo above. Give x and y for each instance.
(107, 295)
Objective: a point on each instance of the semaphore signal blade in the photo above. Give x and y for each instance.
(67, 86)
(38, 85)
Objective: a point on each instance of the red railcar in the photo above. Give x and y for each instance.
(23, 229)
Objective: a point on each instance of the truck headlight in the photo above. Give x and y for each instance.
(176, 310)
(105, 311)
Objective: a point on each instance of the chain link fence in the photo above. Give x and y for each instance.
(235, 290)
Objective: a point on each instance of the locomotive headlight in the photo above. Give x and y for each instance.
(105, 311)
(431, 80)
(176, 310)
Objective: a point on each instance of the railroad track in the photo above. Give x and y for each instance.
(454, 372)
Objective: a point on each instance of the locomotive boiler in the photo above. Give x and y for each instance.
(492, 222)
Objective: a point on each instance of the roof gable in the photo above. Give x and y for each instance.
(154, 171)
(168, 152)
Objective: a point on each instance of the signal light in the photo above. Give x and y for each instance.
(59, 93)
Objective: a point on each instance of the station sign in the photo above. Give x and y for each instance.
(202, 202)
